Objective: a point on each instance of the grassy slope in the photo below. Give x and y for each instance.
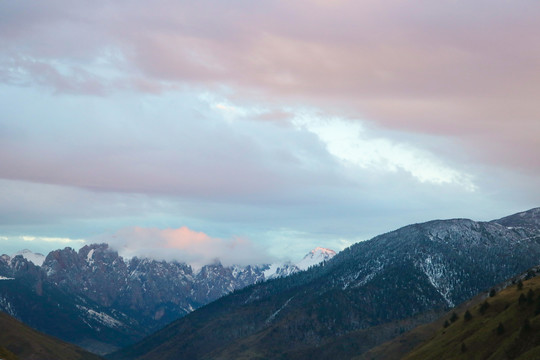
(432, 341)
(5, 354)
(29, 344)
(403, 344)
(479, 338)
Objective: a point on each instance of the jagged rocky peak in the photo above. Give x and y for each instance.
(21, 266)
(4, 260)
(61, 259)
(100, 253)
(5, 265)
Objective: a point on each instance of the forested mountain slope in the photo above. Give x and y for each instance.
(371, 292)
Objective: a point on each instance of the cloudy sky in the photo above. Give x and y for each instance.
(256, 130)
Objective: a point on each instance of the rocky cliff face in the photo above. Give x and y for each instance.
(155, 292)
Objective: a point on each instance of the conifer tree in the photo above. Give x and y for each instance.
(446, 324)
(526, 326)
(484, 307)
(500, 329)
(530, 296)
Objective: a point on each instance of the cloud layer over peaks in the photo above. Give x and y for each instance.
(185, 245)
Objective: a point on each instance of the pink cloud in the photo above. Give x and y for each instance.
(186, 245)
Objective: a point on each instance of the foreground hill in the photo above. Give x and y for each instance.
(399, 347)
(505, 326)
(18, 341)
(367, 294)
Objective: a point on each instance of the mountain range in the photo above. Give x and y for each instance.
(98, 300)
(325, 306)
(365, 295)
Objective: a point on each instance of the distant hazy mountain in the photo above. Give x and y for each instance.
(104, 301)
(363, 296)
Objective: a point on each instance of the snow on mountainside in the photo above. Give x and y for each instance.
(314, 257)
(36, 258)
(278, 270)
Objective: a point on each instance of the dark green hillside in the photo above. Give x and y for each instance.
(506, 326)
(18, 341)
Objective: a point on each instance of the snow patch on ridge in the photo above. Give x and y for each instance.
(315, 257)
(35, 258)
(273, 316)
(6, 306)
(277, 270)
(436, 275)
(101, 317)
(89, 257)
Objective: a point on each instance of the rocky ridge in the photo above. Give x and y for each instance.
(114, 301)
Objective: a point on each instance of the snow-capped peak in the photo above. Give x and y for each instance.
(315, 256)
(36, 258)
(276, 270)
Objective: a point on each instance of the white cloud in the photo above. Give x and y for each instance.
(41, 244)
(59, 240)
(351, 143)
(354, 145)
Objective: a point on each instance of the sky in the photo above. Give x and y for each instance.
(254, 131)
